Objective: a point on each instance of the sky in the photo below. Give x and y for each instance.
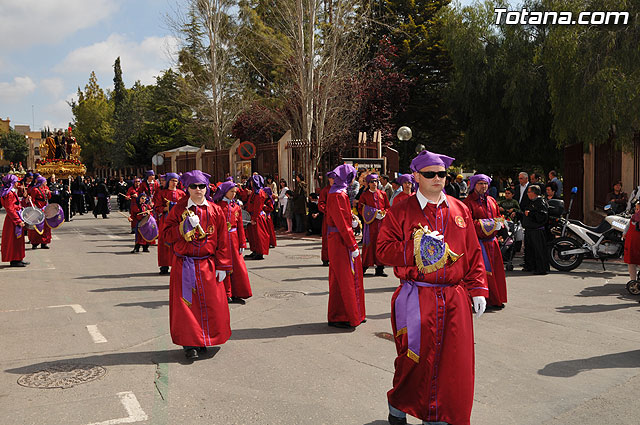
(50, 48)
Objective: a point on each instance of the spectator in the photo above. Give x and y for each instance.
(509, 206)
(314, 216)
(282, 201)
(493, 189)
(299, 203)
(551, 191)
(396, 190)
(521, 190)
(534, 220)
(451, 188)
(617, 199)
(553, 177)
(386, 186)
(462, 186)
(288, 211)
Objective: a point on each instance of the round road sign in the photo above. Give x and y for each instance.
(247, 150)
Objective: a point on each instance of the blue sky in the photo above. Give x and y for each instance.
(51, 47)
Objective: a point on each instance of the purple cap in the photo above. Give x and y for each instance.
(229, 179)
(222, 190)
(343, 175)
(39, 181)
(168, 177)
(404, 178)
(149, 173)
(195, 176)
(371, 177)
(267, 190)
(426, 158)
(475, 179)
(7, 183)
(257, 182)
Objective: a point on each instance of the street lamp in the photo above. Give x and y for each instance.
(419, 147)
(404, 133)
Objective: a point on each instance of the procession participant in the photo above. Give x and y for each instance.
(150, 185)
(236, 283)
(13, 229)
(487, 222)
(535, 217)
(269, 210)
(258, 229)
(346, 307)
(90, 194)
(431, 242)
(372, 206)
(78, 189)
(143, 207)
(23, 185)
(40, 195)
(406, 180)
(102, 194)
(131, 196)
(322, 207)
(60, 195)
(197, 232)
(165, 200)
(121, 191)
(314, 217)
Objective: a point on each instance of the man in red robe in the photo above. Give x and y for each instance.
(431, 242)
(322, 207)
(13, 228)
(165, 199)
(346, 292)
(197, 231)
(372, 206)
(150, 185)
(268, 210)
(132, 197)
(40, 195)
(237, 282)
(487, 222)
(406, 181)
(258, 229)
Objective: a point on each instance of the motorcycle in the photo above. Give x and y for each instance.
(579, 241)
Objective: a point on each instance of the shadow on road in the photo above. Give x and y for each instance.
(119, 276)
(604, 290)
(117, 359)
(367, 291)
(569, 368)
(145, 304)
(291, 266)
(132, 288)
(286, 331)
(596, 308)
(106, 252)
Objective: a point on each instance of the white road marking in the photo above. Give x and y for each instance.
(76, 307)
(95, 334)
(131, 405)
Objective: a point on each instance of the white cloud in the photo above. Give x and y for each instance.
(139, 60)
(16, 90)
(58, 113)
(52, 86)
(30, 22)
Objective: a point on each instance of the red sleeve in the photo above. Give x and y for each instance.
(171, 231)
(268, 205)
(8, 202)
(222, 254)
(322, 201)
(394, 248)
(340, 214)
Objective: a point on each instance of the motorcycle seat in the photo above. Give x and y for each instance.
(601, 228)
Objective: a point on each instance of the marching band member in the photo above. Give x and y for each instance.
(322, 207)
(132, 196)
(258, 230)
(13, 228)
(165, 200)
(40, 195)
(372, 206)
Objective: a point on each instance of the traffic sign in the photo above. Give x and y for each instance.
(247, 150)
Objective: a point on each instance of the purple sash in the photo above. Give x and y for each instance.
(485, 255)
(332, 229)
(407, 309)
(368, 214)
(189, 276)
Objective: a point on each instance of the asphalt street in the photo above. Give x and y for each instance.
(91, 319)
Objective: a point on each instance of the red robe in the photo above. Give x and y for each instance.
(40, 197)
(237, 283)
(400, 197)
(205, 321)
(139, 239)
(496, 280)
(12, 234)
(258, 233)
(346, 292)
(379, 201)
(164, 201)
(132, 193)
(322, 207)
(439, 387)
(268, 209)
(150, 190)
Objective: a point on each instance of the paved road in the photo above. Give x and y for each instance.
(566, 350)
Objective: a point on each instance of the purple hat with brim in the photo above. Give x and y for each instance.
(426, 159)
(149, 173)
(371, 177)
(257, 182)
(7, 183)
(476, 178)
(222, 190)
(167, 177)
(342, 175)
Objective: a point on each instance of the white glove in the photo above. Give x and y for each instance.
(498, 225)
(354, 223)
(479, 305)
(379, 215)
(221, 275)
(194, 220)
(355, 253)
(436, 235)
(241, 251)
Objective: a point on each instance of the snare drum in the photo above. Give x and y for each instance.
(54, 215)
(148, 228)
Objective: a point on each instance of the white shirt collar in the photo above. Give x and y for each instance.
(424, 201)
(190, 203)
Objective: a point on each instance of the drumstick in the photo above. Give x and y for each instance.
(145, 212)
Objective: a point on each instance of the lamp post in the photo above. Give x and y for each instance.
(404, 134)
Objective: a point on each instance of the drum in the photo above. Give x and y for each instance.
(148, 228)
(246, 218)
(32, 216)
(54, 215)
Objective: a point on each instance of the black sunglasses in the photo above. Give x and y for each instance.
(197, 186)
(432, 174)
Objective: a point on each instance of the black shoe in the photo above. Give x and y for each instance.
(380, 272)
(145, 248)
(191, 353)
(104, 216)
(364, 270)
(18, 264)
(34, 246)
(202, 349)
(255, 257)
(325, 263)
(44, 246)
(341, 325)
(133, 232)
(135, 249)
(250, 256)
(237, 300)
(164, 270)
(95, 215)
(229, 300)
(394, 420)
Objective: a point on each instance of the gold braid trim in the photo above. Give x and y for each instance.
(430, 268)
(413, 356)
(401, 331)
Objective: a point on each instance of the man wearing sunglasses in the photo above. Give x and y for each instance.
(372, 206)
(197, 232)
(431, 242)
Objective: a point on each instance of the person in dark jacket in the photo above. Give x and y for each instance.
(300, 203)
(534, 219)
(314, 217)
(102, 193)
(78, 190)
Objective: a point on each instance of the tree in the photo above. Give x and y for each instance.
(14, 147)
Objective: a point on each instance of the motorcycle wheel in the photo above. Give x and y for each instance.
(633, 286)
(561, 262)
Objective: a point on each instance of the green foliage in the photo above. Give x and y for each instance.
(14, 147)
